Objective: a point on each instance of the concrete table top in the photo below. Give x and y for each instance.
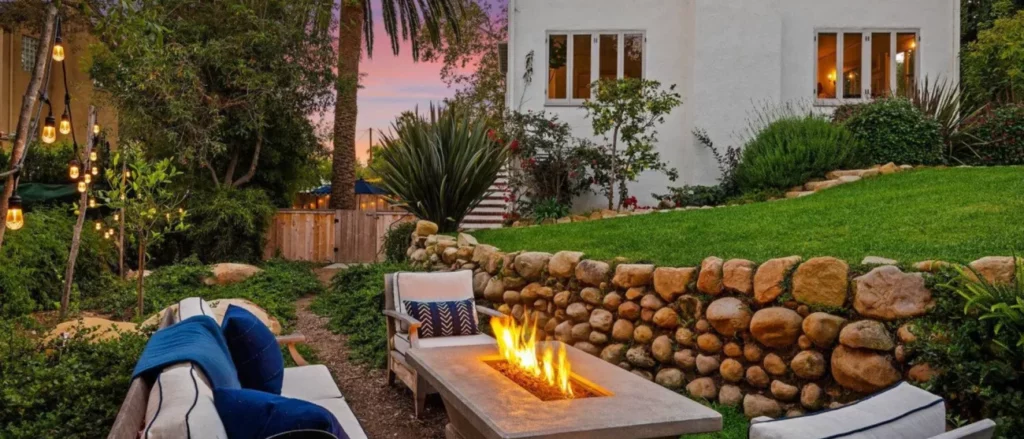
(498, 408)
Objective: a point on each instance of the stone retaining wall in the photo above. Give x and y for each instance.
(778, 338)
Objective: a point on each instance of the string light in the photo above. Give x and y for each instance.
(96, 129)
(49, 130)
(92, 203)
(82, 187)
(58, 45)
(95, 170)
(94, 156)
(87, 179)
(15, 217)
(74, 169)
(99, 226)
(117, 217)
(65, 122)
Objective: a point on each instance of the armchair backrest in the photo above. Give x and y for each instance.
(427, 287)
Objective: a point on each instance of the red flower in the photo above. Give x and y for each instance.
(514, 146)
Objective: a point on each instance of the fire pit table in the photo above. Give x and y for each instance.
(484, 402)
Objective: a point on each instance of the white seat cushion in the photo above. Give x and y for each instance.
(402, 341)
(432, 287)
(309, 383)
(340, 409)
(902, 412)
(181, 406)
(191, 307)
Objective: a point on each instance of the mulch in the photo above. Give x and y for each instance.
(384, 411)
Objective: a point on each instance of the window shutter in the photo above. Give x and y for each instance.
(503, 57)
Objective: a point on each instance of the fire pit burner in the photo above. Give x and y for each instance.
(538, 387)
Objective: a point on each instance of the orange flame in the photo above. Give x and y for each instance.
(518, 345)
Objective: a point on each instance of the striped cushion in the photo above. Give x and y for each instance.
(181, 406)
(443, 319)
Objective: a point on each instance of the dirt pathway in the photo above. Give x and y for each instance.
(384, 412)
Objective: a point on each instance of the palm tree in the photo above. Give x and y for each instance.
(356, 22)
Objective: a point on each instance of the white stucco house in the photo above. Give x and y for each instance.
(726, 57)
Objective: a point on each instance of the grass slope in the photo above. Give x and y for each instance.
(956, 214)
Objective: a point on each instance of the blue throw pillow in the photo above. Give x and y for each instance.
(443, 319)
(251, 414)
(254, 351)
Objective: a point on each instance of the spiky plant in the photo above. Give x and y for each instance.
(945, 102)
(440, 167)
(1003, 303)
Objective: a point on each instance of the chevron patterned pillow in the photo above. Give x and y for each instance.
(443, 319)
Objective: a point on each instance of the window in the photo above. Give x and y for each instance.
(858, 65)
(29, 49)
(577, 59)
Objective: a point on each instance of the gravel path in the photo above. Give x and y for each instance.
(383, 411)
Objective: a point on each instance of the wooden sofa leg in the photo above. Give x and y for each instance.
(391, 373)
(420, 395)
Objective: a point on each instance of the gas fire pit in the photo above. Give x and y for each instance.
(494, 391)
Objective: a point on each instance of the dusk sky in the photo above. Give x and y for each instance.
(392, 84)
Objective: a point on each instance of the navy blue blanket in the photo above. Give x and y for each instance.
(197, 340)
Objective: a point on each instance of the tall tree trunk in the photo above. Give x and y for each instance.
(350, 44)
(83, 207)
(120, 220)
(141, 273)
(24, 118)
(615, 168)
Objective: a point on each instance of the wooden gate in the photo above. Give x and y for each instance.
(347, 236)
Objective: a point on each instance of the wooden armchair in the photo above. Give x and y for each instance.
(403, 329)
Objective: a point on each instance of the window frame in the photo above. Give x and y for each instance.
(25, 39)
(865, 60)
(595, 59)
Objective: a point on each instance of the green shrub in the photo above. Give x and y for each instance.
(981, 372)
(33, 260)
(229, 225)
(845, 112)
(693, 196)
(992, 63)
(442, 167)
(354, 303)
(998, 137)
(64, 388)
(792, 150)
(548, 209)
(5, 159)
(397, 241)
(893, 130)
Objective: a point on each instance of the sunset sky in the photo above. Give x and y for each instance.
(392, 84)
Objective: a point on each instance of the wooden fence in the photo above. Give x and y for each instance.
(347, 236)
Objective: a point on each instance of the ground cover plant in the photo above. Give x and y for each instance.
(956, 214)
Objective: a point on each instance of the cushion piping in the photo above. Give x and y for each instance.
(195, 387)
(159, 405)
(879, 424)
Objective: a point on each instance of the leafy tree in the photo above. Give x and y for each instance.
(979, 15)
(993, 66)
(149, 204)
(628, 111)
(216, 85)
(408, 16)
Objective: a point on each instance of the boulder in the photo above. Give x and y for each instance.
(651, 302)
(635, 293)
(707, 364)
(888, 168)
(867, 334)
(770, 276)
(601, 320)
(465, 239)
(731, 370)
(633, 275)
(591, 295)
(995, 269)
(220, 307)
(822, 328)
(598, 338)
(480, 282)
(757, 377)
(783, 391)
(738, 276)
(643, 374)
(578, 312)
(532, 265)
(670, 378)
(229, 273)
(732, 349)
(821, 281)
(563, 264)
(98, 329)
(670, 283)
(511, 297)
(563, 332)
(921, 373)
(482, 254)
(774, 364)
(614, 353)
(703, 388)
(811, 396)
(629, 310)
(906, 333)
(622, 330)
(449, 255)
(643, 334)
(581, 332)
(685, 359)
(862, 370)
(591, 272)
(729, 316)
(752, 352)
(562, 299)
(709, 280)
(585, 346)
(709, 343)
(666, 318)
(878, 260)
(661, 348)
(611, 301)
(809, 365)
(639, 356)
(730, 395)
(931, 266)
(425, 228)
(690, 307)
(755, 405)
(684, 336)
(886, 293)
(776, 327)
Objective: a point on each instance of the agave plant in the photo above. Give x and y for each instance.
(440, 167)
(945, 102)
(1003, 303)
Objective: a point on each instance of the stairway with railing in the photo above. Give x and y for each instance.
(489, 213)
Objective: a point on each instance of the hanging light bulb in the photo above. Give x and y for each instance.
(127, 174)
(99, 226)
(110, 231)
(94, 156)
(92, 203)
(95, 170)
(82, 187)
(96, 129)
(87, 179)
(117, 217)
(74, 169)
(65, 122)
(49, 130)
(58, 45)
(15, 217)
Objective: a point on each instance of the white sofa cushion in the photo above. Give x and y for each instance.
(901, 412)
(402, 341)
(191, 307)
(309, 383)
(181, 406)
(340, 409)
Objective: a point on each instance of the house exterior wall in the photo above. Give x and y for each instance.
(727, 57)
(14, 81)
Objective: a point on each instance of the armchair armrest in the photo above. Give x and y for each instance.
(291, 340)
(414, 325)
(489, 312)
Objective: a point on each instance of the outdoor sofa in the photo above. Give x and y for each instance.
(163, 397)
(901, 412)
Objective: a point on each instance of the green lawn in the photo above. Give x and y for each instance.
(734, 425)
(956, 214)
